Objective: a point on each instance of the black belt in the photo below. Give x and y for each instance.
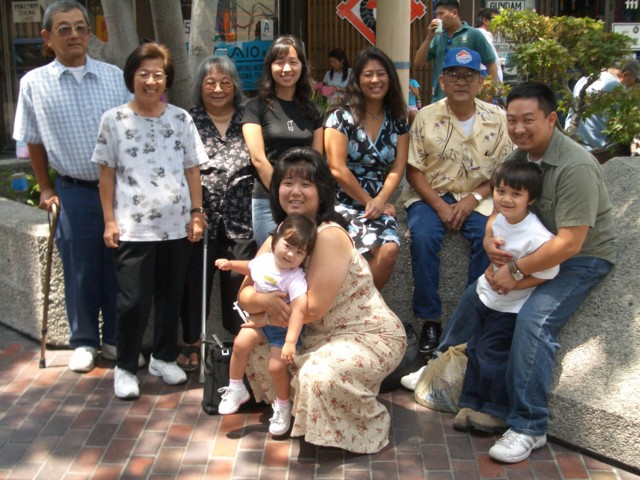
(80, 183)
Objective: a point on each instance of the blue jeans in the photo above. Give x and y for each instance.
(427, 233)
(532, 358)
(263, 224)
(88, 266)
(484, 388)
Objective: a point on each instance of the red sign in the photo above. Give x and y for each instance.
(362, 15)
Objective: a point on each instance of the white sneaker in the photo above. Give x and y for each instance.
(409, 381)
(125, 384)
(109, 352)
(232, 398)
(515, 447)
(170, 372)
(83, 359)
(281, 419)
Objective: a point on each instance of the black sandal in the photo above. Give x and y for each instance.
(187, 351)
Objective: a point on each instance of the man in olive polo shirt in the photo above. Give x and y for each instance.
(575, 206)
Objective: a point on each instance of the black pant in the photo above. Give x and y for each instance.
(146, 272)
(219, 247)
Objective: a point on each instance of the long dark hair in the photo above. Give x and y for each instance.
(306, 163)
(304, 86)
(339, 55)
(394, 104)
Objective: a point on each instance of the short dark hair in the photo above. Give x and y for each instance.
(146, 51)
(393, 100)
(485, 14)
(223, 65)
(62, 6)
(547, 101)
(298, 230)
(448, 4)
(520, 175)
(306, 163)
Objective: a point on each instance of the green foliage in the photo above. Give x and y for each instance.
(319, 100)
(32, 195)
(623, 114)
(491, 92)
(557, 50)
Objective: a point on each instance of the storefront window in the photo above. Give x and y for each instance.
(244, 30)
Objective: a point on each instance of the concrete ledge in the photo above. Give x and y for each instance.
(594, 397)
(24, 232)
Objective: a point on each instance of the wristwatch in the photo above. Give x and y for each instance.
(515, 271)
(477, 196)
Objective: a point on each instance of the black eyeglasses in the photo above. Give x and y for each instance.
(453, 76)
(66, 30)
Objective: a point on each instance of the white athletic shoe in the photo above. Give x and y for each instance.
(281, 419)
(232, 398)
(125, 384)
(515, 447)
(83, 359)
(409, 381)
(170, 372)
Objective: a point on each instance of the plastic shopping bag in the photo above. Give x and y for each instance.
(440, 384)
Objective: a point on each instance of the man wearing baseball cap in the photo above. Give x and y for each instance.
(456, 143)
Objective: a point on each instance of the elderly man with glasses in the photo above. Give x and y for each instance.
(456, 143)
(58, 113)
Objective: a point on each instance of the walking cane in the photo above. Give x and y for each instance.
(203, 325)
(52, 217)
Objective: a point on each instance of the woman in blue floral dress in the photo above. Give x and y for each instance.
(367, 142)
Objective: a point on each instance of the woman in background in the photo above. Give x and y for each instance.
(338, 76)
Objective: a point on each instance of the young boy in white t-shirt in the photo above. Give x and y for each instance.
(484, 401)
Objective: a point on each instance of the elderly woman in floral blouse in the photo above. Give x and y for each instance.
(227, 184)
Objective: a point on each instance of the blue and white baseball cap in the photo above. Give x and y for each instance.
(462, 57)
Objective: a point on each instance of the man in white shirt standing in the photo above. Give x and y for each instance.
(58, 113)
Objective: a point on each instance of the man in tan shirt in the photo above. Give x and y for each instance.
(456, 143)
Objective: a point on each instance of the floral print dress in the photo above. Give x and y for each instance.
(338, 371)
(228, 176)
(368, 160)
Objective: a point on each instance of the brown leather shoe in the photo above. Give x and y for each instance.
(486, 423)
(460, 423)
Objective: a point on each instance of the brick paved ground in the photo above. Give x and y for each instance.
(55, 424)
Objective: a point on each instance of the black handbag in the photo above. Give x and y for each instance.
(412, 361)
(217, 356)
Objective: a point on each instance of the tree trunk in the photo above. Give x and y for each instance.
(202, 34)
(123, 36)
(169, 30)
